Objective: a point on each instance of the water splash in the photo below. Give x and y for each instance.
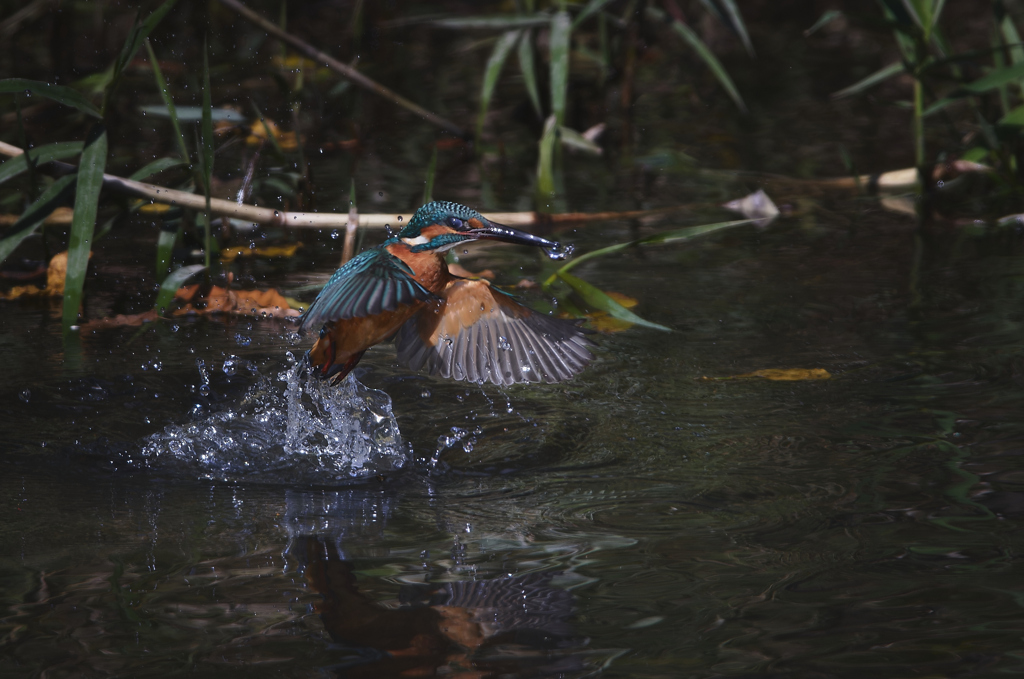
(307, 432)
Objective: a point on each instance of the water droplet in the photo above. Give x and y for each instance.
(241, 340)
(399, 217)
(559, 252)
(28, 93)
(504, 345)
(380, 193)
(335, 234)
(25, 395)
(230, 365)
(204, 389)
(424, 394)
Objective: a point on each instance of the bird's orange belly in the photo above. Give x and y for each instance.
(350, 337)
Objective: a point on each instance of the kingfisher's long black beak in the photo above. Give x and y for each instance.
(492, 231)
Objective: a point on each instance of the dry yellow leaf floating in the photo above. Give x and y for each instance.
(154, 208)
(258, 134)
(781, 375)
(55, 274)
(602, 321)
(231, 254)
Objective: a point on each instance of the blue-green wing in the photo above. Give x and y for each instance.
(371, 282)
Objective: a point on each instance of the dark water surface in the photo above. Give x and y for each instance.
(637, 519)
(174, 501)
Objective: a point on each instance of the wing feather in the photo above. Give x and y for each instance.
(479, 335)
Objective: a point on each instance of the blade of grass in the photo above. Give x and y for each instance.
(825, 19)
(878, 76)
(591, 8)
(597, 299)
(170, 232)
(157, 166)
(39, 155)
(674, 236)
(729, 14)
(56, 195)
(561, 34)
(165, 94)
(170, 285)
(996, 78)
(208, 150)
(132, 44)
(1011, 39)
(58, 93)
(503, 23)
(83, 223)
(491, 74)
(545, 161)
(709, 59)
(525, 57)
(428, 184)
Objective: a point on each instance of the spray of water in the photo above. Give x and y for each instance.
(305, 432)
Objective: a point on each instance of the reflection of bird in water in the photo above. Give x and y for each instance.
(514, 625)
(458, 328)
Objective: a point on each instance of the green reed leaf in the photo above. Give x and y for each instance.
(525, 57)
(170, 285)
(589, 10)
(55, 196)
(825, 19)
(878, 76)
(83, 223)
(39, 155)
(673, 236)
(165, 94)
(561, 35)
(58, 93)
(729, 14)
(132, 43)
(545, 159)
(501, 23)
(492, 72)
(156, 167)
(709, 59)
(996, 78)
(597, 299)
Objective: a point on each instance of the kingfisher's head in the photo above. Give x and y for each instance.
(441, 225)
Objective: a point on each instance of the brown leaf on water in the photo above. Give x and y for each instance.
(119, 321)
(231, 254)
(781, 375)
(602, 321)
(462, 272)
(263, 303)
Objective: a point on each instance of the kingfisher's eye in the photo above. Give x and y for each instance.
(455, 222)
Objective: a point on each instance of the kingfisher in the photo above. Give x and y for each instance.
(458, 328)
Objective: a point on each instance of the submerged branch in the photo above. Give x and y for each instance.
(346, 70)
